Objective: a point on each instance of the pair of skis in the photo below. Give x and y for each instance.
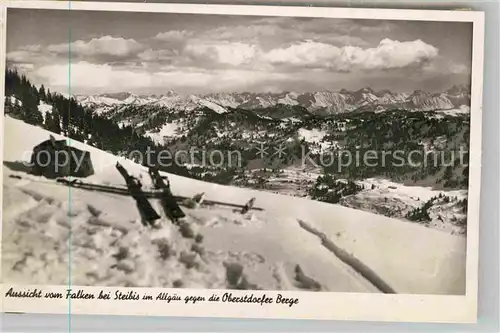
(170, 206)
(148, 213)
(168, 201)
(161, 190)
(151, 193)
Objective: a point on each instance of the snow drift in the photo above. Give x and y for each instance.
(106, 245)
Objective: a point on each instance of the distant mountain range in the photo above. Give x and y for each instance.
(321, 102)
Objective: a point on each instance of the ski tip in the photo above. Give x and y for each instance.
(251, 202)
(199, 197)
(156, 224)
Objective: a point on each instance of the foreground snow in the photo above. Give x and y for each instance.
(106, 244)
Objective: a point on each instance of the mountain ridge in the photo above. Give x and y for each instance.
(321, 102)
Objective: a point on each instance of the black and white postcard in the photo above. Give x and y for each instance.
(241, 161)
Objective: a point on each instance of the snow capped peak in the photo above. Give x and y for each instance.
(107, 99)
(325, 101)
(421, 100)
(211, 105)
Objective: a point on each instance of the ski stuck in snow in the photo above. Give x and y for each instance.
(134, 185)
(170, 206)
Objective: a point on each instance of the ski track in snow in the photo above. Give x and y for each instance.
(350, 260)
(108, 245)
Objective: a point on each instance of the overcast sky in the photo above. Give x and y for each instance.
(150, 53)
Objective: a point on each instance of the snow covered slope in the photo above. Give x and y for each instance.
(44, 108)
(108, 245)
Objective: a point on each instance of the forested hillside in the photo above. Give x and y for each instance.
(63, 115)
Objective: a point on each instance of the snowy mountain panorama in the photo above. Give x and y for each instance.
(295, 136)
(237, 152)
(364, 225)
(282, 149)
(321, 102)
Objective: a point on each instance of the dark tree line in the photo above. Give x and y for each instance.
(74, 121)
(27, 98)
(68, 117)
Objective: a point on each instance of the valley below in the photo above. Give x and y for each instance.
(281, 144)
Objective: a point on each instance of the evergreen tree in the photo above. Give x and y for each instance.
(8, 104)
(42, 95)
(56, 122)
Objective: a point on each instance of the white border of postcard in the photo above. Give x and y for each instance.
(312, 305)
